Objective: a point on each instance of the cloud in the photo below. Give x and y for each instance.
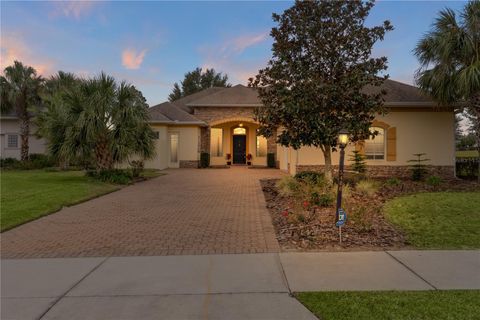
(14, 48)
(72, 9)
(231, 57)
(131, 59)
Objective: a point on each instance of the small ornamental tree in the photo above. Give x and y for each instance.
(358, 162)
(322, 77)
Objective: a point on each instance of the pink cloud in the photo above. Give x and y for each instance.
(226, 57)
(72, 9)
(13, 48)
(131, 59)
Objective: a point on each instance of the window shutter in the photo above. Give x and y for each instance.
(360, 146)
(392, 144)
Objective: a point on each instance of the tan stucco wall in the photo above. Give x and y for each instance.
(11, 126)
(417, 132)
(161, 147)
(187, 142)
(187, 145)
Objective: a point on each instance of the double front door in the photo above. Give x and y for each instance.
(239, 149)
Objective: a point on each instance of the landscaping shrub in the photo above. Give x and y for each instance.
(367, 187)
(39, 161)
(137, 168)
(271, 160)
(434, 181)
(361, 218)
(115, 176)
(322, 199)
(311, 176)
(204, 160)
(467, 168)
(9, 163)
(418, 166)
(393, 182)
(35, 161)
(288, 186)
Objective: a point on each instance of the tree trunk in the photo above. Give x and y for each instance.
(327, 155)
(24, 134)
(103, 156)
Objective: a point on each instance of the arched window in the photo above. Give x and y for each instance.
(375, 146)
(239, 130)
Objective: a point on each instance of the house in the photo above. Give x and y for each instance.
(219, 121)
(10, 139)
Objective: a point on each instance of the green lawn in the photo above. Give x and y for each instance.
(466, 154)
(393, 305)
(443, 220)
(29, 194)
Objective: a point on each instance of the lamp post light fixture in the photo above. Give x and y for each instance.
(342, 143)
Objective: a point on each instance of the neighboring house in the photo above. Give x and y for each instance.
(10, 139)
(219, 121)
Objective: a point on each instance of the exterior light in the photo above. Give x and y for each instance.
(340, 214)
(240, 124)
(343, 138)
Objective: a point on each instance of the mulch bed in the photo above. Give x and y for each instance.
(371, 232)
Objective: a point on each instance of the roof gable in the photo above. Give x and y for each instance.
(235, 96)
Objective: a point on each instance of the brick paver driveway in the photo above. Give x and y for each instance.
(187, 211)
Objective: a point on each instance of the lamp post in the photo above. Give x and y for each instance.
(342, 143)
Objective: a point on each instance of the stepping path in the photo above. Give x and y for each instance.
(186, 211)
(231, 286)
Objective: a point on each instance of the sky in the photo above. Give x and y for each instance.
(153, 44)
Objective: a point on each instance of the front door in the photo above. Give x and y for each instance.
(239, 149)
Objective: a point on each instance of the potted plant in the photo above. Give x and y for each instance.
(229, 157)
(249, 159)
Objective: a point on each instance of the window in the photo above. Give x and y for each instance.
(156, 135)
(216, 142)
(261, 146)
(375, 146)
(12, 141)
(174, 147)
(239, 131)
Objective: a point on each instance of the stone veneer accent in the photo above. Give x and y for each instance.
(388, 171)
(189, 163)
(212, 114)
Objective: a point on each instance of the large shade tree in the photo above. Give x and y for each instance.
(314, 85)
(450, 62)
(198, 80)
(99, 119)
(20, 92)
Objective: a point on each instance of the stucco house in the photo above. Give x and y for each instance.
(10, 140)
(219, 121)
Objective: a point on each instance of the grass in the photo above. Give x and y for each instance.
(394, 305)
(30, 194)
(443, 220)
(467, 154)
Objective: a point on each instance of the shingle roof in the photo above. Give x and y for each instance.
(169, 113)
(239, 95)
(180, 111)
(401, 93)
(236, 96)
(182, 102)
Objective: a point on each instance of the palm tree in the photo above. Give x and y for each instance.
(53, 121)
(99, 120)
(450, 61)
(20, 87)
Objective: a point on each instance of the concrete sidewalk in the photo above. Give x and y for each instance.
(242, 286)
